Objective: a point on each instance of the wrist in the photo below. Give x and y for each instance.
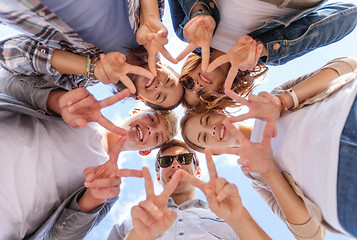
(133, 235)
(88, 202)
(53, 100)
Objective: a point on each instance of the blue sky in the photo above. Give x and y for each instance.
(133, 191)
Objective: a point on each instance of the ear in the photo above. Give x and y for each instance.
(141, 99)
(198, 172)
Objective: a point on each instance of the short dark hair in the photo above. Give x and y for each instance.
(175, 143)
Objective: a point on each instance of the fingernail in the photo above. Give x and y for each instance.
(71, 109)
(69, 103)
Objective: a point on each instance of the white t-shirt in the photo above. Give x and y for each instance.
(307, 147)
(41, 165)
(240, 17)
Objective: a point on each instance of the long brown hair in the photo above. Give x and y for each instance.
(243, 84)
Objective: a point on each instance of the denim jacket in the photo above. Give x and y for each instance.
(289, 37)
(181, 10)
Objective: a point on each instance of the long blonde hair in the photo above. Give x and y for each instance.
(243, 84)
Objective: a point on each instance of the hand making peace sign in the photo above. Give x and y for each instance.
(152, 217)
(104, 181)
(113, 68)
(222, 197)
(78, 107)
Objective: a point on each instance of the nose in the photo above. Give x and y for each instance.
(197, 86)
(149, 130)
(175, 164)
(213, 131)
(159, 85)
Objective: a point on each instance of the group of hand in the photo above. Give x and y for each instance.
(112, 67)
(152, 217)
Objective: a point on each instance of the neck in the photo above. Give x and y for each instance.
(182, 197)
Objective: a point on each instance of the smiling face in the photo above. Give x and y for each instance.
(207, 130)
(146, 130)
(211, 81)
(165, 174)
(164, 90)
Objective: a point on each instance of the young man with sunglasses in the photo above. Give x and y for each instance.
(177, 214)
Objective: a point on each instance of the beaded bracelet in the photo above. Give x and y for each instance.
(90, 73)
(87, 65)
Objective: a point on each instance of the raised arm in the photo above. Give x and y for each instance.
(258, 157)
(224, 200)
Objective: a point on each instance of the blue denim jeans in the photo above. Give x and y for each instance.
(347, 174)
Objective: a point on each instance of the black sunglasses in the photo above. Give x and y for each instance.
(183, 159)
(187, 82)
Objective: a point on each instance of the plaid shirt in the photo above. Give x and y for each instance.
(31, 54)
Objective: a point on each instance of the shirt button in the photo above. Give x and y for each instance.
(181, 233)
(42, 14)
(43, 51)
(180, 220)
(211, 4)
(276, 46)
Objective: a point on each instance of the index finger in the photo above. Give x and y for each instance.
(225, 150)
(232, 73)
(129, 173)
(241, 138)
(205, 57)
(114, 99)
(149, 187)
(186, 51)
(114, 153)
(167, 55)
(218, 62)
(141, 71)
(111, 126)
(172, 184)
(230, 93)
(152, 62)
(210, 164)
(193, 180)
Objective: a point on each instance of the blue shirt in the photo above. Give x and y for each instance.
(105, 23)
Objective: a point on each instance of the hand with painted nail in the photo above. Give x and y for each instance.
(199, 32)
(152, 217)
(242, 56)
(152, 34)
(112, 68)
(78, 107)
(103, 182)
(264, 107)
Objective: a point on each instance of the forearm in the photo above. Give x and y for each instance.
(149, 9)
(311, 86)
(68, 63)
(290, 203)
(246, 228)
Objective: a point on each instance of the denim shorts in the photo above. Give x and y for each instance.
(347, 174)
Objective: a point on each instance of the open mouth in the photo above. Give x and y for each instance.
(139, 133)
(204, 78)
(149, 82)
(222, 133)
